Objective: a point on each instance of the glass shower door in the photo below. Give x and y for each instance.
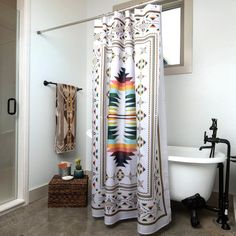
(8, 85)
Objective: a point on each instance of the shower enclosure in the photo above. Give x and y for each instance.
(8, 101)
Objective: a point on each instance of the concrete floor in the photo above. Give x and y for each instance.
(37, 220)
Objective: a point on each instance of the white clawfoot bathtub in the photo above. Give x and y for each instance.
(192, 171)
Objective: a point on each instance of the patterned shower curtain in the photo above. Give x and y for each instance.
(130, 171)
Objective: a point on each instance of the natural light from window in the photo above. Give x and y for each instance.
(171, 34)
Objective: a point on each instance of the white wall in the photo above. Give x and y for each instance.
(58, 56)
(192, 100)
(210, 91)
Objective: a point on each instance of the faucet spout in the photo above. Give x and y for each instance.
(204, 147)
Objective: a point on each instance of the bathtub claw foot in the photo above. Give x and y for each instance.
(193, 203)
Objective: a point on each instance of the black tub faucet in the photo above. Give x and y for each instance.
(214, 133)
(223, 186)
(223, 218)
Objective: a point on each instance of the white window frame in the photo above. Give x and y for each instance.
(185, 65)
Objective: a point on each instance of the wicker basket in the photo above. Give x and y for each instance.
(72, 193)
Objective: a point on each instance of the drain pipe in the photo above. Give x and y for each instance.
(233, 159)
(226, 193)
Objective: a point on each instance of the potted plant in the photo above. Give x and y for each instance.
(78, 172)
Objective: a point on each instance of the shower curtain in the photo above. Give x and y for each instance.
(130, 170)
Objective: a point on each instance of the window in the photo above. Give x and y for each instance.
(171, 34)
(176, 34)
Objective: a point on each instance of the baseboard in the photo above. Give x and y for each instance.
(38, 193)
(11, 206)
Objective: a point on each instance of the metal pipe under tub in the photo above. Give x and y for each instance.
(223, 193)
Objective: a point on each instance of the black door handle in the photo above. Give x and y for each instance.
(9, 110)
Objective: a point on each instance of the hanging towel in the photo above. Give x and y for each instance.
(65, 118)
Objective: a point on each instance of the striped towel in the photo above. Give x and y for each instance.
(66, 96)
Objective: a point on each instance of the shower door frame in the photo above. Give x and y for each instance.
(22, 152)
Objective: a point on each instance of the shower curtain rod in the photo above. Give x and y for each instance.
(95, 17)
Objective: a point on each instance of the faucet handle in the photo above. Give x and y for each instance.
(205, 137)
(214, 124)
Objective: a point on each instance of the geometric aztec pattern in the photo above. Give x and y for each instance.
(130, 172)
(66, 99)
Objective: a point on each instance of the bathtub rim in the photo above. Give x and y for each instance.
(219, 157)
